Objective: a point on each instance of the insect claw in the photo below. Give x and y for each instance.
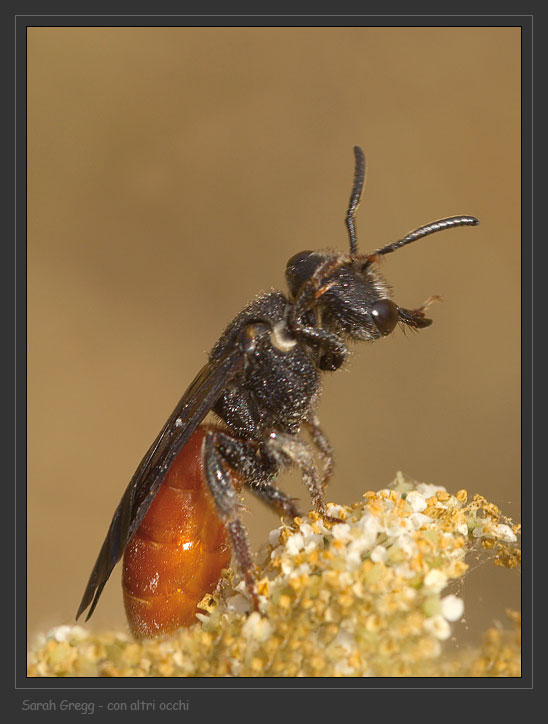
(292, 510)
(250, 578)
(332, 519)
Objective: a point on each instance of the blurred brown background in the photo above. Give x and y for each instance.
(173, 171)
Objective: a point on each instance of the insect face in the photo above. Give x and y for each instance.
(352, 301)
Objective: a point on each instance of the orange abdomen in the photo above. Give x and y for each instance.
(177, 554)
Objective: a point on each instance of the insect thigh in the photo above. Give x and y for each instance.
(256, 470)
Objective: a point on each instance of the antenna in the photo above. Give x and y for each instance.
(357, 186)
(426, 230)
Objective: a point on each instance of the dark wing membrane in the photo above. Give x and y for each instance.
(194, 405)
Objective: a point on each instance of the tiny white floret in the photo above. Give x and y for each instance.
(416, 501)
(407, 545)
(63, 633)
(505, 532)
(178, 659)
(429, 490)
(287, 566)
(345, 639)
(452, 607)
(370, 526)
(378, 554)
(341, 531)
(257, 627)
(353, 559)
(294, 544)
(334, 510)
(438, 627)
(419, 520)
(312, 543)
(435, 580)
(238, 604)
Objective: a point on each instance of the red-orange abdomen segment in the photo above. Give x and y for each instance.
(177, 554)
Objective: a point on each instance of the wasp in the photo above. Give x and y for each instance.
(179, 519)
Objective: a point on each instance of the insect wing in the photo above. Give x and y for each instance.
(197, 401)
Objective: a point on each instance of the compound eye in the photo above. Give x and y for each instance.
(385, 315)
(300, 268)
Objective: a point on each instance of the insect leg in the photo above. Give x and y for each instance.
(228, 507)
(322, 443)
(314, 287)
(257, 471)
(276, 499)
(333, 350)
(287, 448)
(242, 551)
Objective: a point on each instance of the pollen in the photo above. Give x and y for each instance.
(461, 496)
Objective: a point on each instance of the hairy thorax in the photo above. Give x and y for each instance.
(280, 383)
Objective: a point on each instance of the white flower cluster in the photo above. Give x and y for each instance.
(384, 537)
(391, 530)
